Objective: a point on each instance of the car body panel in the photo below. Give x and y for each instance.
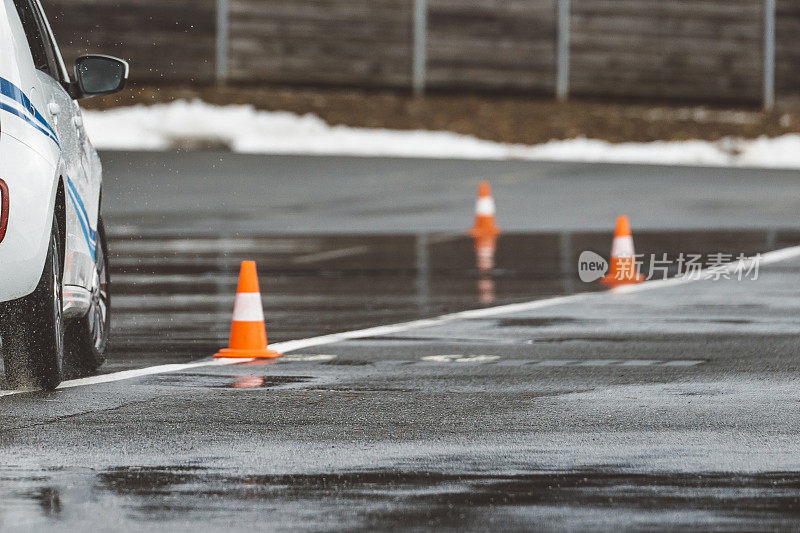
(43, 145)
(29, 178)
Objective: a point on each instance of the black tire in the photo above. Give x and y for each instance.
(87, 337)
(33, 327)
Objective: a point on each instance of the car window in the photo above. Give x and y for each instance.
(53, 54)
(38, 41)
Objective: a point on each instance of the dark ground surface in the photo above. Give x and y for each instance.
(220, 194)
(177, 293)
(670, 408)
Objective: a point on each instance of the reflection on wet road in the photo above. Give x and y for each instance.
(592, 415)
(173, 296)
(414, 499)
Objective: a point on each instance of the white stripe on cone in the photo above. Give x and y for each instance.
(248, 307)
(622, 247)
(485, 206)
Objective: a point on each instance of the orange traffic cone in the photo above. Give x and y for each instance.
(248, 331)
(485, 212)
(623, 269)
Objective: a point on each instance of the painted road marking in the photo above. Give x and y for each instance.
(362, 249)
(277, 245)
(496, 360)
(489, 312)
(460, 358)
(680, 363)
(492, 360)
(768, 258)
(331, 254)
(187, 245)
(306, 358)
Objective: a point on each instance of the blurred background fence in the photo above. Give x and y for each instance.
(745, 51)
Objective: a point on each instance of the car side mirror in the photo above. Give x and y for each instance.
(98, 74)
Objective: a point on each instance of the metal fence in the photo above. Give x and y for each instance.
(711, 50)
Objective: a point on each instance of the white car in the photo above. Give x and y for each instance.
(54, 286)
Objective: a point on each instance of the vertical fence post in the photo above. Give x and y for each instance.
(562, 49)
(420, 46)
(222, 41)
(769, 54)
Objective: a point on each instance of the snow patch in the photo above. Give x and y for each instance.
(247, 130)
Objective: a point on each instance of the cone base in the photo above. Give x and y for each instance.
(229, 353)
(612, 281)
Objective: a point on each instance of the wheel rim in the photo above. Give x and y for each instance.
(98, 306)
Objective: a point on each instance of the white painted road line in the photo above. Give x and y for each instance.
(330, 254)
(460, 358)
(359, 250)
(290, 346)
(612, 362)
(768, 258)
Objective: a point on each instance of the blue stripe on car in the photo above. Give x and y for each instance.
(29, 113)
(31, 116)
(15, 93)
(83, 217)
(16, 112)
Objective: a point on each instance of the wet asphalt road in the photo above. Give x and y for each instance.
(676, 407)
(222, 193)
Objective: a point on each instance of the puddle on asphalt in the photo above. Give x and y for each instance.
(145, 496)
(222, 381)
(542, 322)
(173, 297)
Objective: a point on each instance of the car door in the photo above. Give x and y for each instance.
(81, 192)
